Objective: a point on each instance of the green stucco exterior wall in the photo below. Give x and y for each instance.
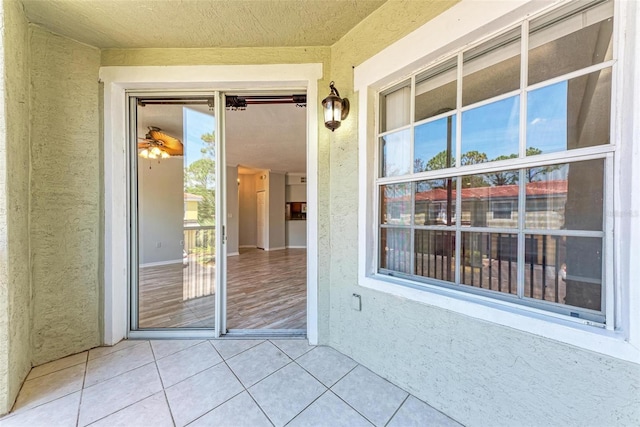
(477, 372)
(15, 292)
(65, 195)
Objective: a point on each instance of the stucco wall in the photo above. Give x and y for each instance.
(477, 372)
(15, 292)
(65, 195)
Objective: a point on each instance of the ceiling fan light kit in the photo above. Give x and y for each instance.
(158, 145)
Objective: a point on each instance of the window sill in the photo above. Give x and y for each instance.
(578, 332)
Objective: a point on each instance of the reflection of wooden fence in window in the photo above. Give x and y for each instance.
(488, 261)
(199, 263)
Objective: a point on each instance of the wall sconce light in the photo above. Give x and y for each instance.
(335, 108)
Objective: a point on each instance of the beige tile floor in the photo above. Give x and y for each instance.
(214, 383)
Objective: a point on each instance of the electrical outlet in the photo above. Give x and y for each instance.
(356, 302)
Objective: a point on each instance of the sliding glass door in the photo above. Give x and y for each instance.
(176, 239)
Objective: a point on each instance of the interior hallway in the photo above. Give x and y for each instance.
(220, 382)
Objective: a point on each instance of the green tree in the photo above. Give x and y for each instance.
(200, 179)
(506, 177)
(472, 158)
(439, 161)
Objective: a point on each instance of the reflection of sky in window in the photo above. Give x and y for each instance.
(547, 118)
(492, 129)
(396, 153)
(431, 139)
(196, 124)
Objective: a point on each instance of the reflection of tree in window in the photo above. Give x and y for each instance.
(200, 179)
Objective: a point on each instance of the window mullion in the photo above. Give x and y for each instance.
(524, 78)
(412, 156)
(522, 200)
(412, 230)
(607, 260)
(458, 113)
(458, 213)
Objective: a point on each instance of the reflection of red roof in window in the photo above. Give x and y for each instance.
(539, 188)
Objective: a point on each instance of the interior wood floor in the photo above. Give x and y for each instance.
(266, 290)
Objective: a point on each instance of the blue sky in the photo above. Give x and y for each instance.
(493, 129)
(195, 125)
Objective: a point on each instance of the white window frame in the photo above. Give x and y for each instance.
(476, 21)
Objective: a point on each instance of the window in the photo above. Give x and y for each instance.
(495, 166)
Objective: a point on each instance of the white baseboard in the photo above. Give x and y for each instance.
(296, 247)
(156, 264)
(233, 254)
(247, 246)
(275, 249)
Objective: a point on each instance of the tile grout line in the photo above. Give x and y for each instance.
(237, 354)
(337, 381)
(164, 390)
(244, 389)
(305, 408)
(84, 378)
(190, 376)
(122, 373)
(195, 343)
(57, 370)
(349, 405)
(116, 351)
(247, 390)
(129, 405)
(249, 394)
(344, 401)
(397, 409)
(299, 356)
(14, 412)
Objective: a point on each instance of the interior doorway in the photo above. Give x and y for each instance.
(266, 155)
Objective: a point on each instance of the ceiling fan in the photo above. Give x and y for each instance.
(158, 145)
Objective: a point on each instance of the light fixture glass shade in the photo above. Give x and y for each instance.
(144, 153)
(164, 155)
(156, 151)
(335, 109)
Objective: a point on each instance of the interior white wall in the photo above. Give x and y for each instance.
(276, 208)
(247, 211)
(161, 210)
(233, 211)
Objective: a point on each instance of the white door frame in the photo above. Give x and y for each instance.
(118, 80)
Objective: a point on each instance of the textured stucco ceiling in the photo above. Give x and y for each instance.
(200, 23)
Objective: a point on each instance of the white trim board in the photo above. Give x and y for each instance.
(296, 247)
(233, 254)
(118, 80)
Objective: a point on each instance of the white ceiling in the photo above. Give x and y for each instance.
(200, 23)
(262, 137)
